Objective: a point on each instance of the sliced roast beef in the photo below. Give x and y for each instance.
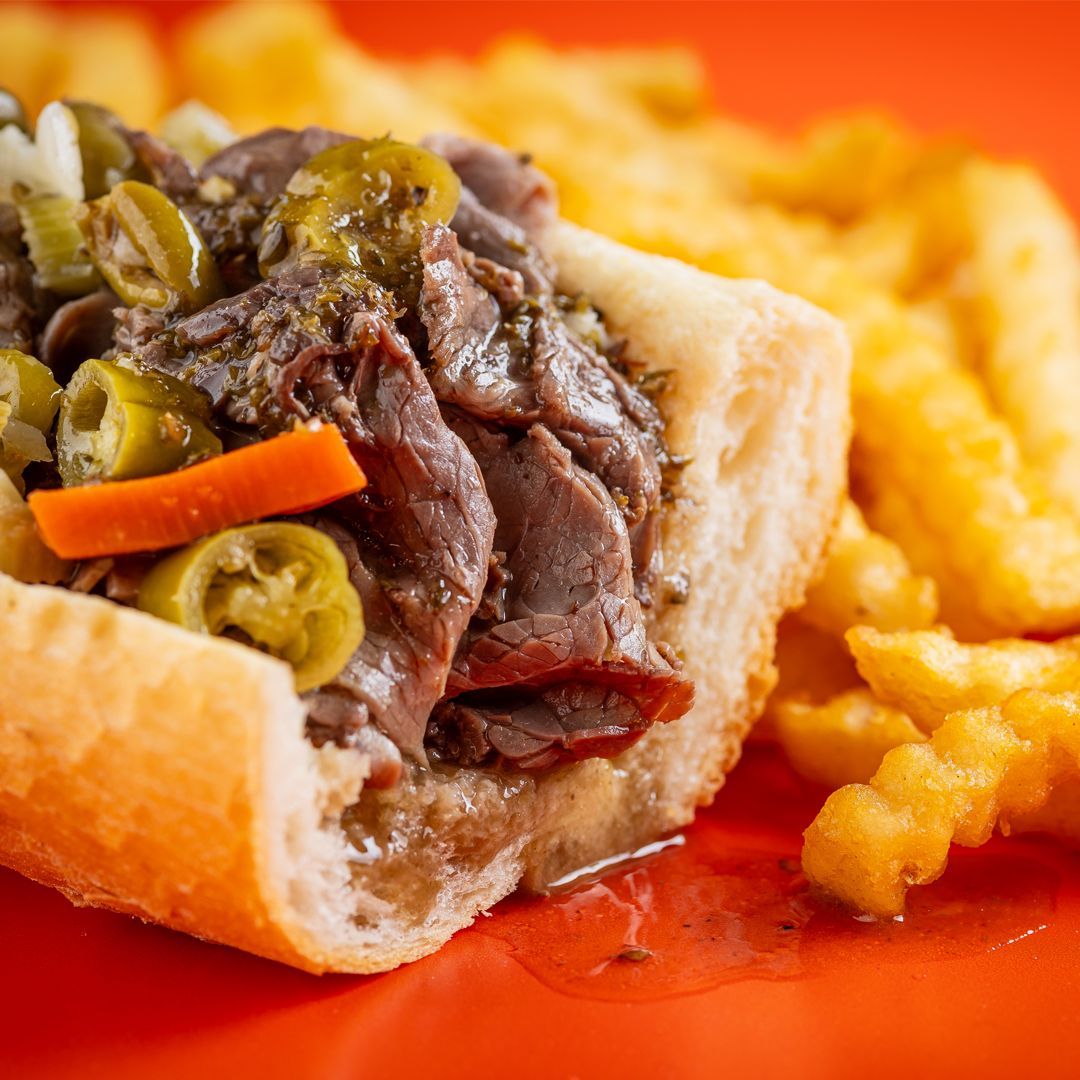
(336, 716)
(167, 168)
(423, 529)
(504, 182)
(277, 351)
(526, 366)
(320, 342)
(536, 731)
(136, 327)
(505, 207)
(262, 164)
(568, 608)
(490, 236)
(77, 331)
(231, 228)
(18, 306)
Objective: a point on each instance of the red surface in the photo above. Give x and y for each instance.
(983, 976)
(982, 979)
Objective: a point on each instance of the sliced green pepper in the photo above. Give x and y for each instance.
(12, 111)
(107, 156)
(29, 398)
(148, 251)
(117, 423)
(27, 385)
(361, 204)
(281, 587)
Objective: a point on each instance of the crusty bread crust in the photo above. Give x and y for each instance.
(152, 771)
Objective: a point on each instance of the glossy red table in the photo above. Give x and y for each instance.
(725, 967)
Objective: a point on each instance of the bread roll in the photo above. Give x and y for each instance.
(156, 772)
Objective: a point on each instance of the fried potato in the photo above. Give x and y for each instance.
(868, 581)
(115, 61)
(912, 241)
(844, 166)
(1059, 817)
(1007, 557)
(929, 674)
(844, 740)
(31, 52)
(1025, 264)
(234, 58)
(871, 842)
(100, 56)
(812, 667)
(890, 512)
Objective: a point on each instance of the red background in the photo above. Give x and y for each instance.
(89, 993)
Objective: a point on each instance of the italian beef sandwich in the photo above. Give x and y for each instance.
(373, 541)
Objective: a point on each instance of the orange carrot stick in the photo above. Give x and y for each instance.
(288, 474)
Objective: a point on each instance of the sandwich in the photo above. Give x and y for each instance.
(374, 542)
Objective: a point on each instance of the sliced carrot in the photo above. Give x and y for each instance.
(288, 474)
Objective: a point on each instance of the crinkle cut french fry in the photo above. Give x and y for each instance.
(843, 740)
(31, 51)
(929, 674)
(923, 427)
(1025, 278)
(811, 664)
(868, 581)
(871, 842)
(843, 166)
(1059, 817)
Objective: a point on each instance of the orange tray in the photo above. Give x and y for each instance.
(726, 968)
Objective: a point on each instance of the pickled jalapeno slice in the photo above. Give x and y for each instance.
(362, 204)
(29, 398)
(148, 251)
(107, 156)
(27, 385)
(117, 423)
(279, 586)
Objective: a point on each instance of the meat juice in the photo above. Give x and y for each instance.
(728, 901)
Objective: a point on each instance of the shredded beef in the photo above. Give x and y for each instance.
(136, 327)
(18, 301)
(168, 169)
(320, 342)
(503, 182)
(489, 236)
(568, 607)
(508, 535)
(231, 228)
(262, 164)
(77, 331)
(568, 722)
(526, 367)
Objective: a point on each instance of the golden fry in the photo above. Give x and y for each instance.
(31, 52)
(1007, 558)
(868, 581)
(842, 741)
(1060, 816)
(843, 167)
(812, 666)
(871, 842)
(1025, 268)
(233, 58)
(929, 674)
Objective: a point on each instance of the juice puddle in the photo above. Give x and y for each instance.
(707, 912)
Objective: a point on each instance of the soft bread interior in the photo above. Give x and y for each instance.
(155, 772)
